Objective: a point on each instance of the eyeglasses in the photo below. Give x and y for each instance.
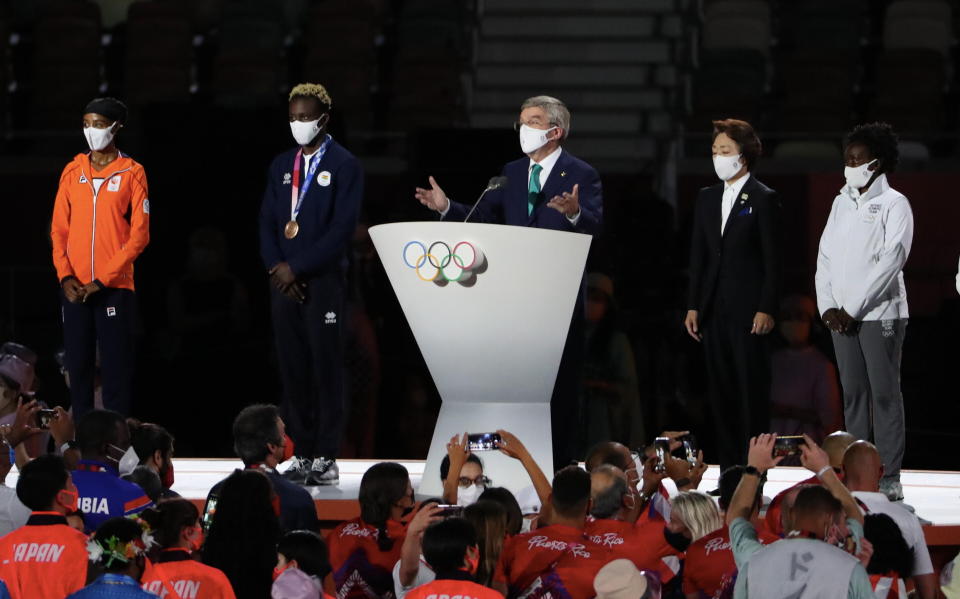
(518, 124)
(480, 481)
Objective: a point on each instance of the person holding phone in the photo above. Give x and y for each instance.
(101, 224)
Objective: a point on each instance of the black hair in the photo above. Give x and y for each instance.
(504, 497)
(148, 480)
(308, 548)
(112, 108)
(445, 464)
(41, 480)
(606, 452)
(147, 438)
(729, 480)
(571, 492)
(890, 550)
(744, 135)
(815, 500)
(381, 487)
(169, 518)
(445, 544)
(607, 503)
(124, 530)
(98, 428)
(243, 536)
(881, 142)
(253, 428)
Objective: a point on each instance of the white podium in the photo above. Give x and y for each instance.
(490, 307)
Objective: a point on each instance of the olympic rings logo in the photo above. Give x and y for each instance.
(439, 262)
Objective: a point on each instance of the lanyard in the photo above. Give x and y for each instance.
(296, 194)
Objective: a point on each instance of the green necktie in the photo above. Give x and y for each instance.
(533, 188)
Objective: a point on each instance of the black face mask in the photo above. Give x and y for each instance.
(676, 540)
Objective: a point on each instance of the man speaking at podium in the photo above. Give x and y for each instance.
(549, 189)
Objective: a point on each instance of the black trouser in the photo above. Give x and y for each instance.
(738, 373)
(566, 405)
(105, 322)
(310, 352)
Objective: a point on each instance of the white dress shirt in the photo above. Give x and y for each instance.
(864, 246)
(877, 503)
(730, 193)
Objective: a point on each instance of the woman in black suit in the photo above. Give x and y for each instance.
(734, 279)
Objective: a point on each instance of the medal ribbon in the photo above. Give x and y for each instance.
(296, 194)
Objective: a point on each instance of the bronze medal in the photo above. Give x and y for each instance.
(291, 229)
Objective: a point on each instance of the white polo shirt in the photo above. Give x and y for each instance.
(862, 252)
(877, 503)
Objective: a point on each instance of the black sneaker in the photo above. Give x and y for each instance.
(298, 470)
(323, 471)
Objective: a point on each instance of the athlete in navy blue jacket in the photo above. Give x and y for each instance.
(309, 213)
(548, 189)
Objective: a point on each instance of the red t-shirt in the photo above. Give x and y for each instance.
(643, 544)
(45, 559)
(464, 589)
(772, 519)
(710, 569)
(360, 569)
(177, 576)
(650, 528)
(554, 561)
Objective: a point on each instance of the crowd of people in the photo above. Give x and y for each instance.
(95, 516)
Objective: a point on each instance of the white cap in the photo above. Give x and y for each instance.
(620, 579)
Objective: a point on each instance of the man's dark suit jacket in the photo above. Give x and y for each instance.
(508, 206)
(741, 268)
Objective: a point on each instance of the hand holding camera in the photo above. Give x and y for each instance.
(760, 454)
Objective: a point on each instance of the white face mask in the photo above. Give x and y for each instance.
(532, 139)
(98, 139)
(727, 166)
(128, 462)
(303, 132)
(469, 495)
(858, 176)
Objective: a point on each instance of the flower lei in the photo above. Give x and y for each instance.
(113, 550)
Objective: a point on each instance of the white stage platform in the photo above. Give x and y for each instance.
(934, 494)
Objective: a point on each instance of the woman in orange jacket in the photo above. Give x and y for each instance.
(101, 223)
(175, 574)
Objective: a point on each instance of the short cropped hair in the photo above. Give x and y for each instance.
(445, 544)
(41, 480)
(315, 91)
(308, 549)
(880, 140)
(741, 132)
(253, 428)
(97, 428)
(571, 492)
(814, 500)
(607, 503)
(557, 111)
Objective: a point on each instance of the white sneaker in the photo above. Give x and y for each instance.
(323, 471)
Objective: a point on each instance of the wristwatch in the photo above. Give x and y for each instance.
(752, 471)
